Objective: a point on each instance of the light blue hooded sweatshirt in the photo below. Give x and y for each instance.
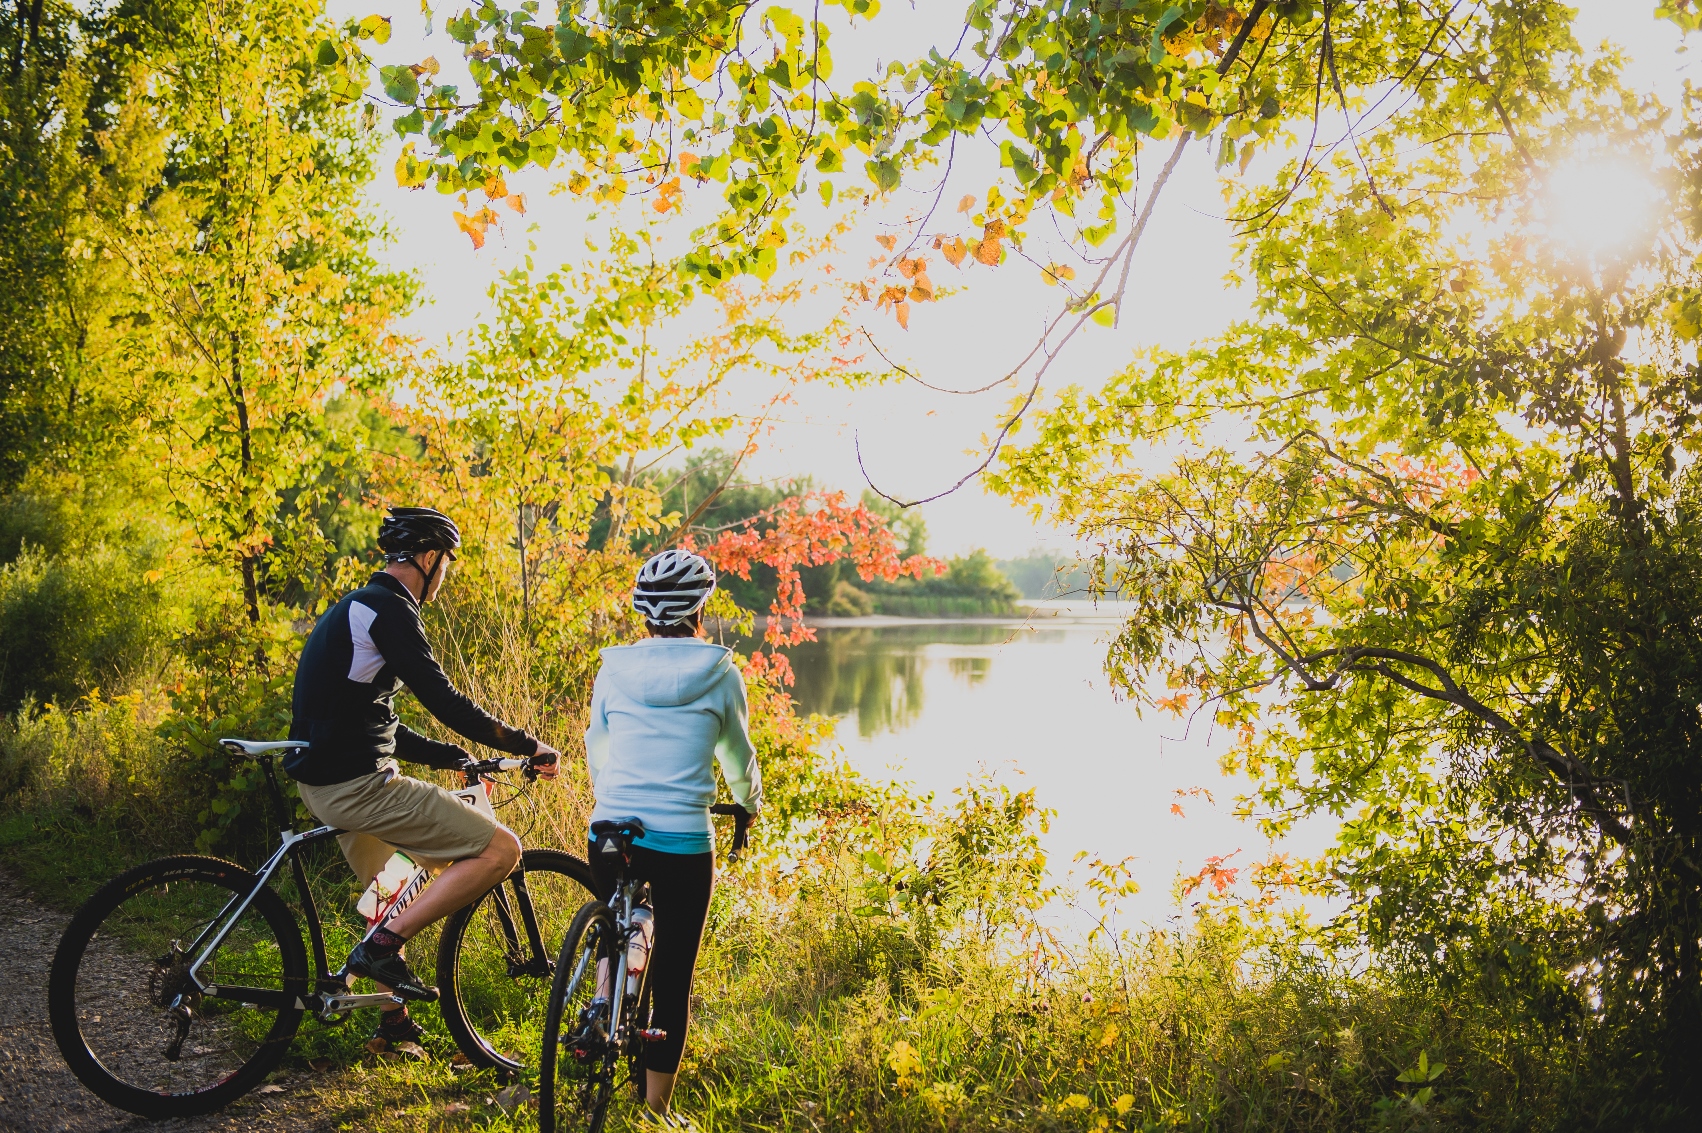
(662, 711)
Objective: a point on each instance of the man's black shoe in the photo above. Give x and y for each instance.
(386, 966)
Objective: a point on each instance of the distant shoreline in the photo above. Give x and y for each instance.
(1036, 611)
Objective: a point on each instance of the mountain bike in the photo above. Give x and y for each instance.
(587, 1029)
(179, 985)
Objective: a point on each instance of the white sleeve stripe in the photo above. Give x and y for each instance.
(366, 660)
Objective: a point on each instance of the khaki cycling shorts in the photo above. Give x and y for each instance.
(387, 811)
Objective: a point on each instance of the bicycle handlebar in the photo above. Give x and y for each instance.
(473, 770)
(741, 824)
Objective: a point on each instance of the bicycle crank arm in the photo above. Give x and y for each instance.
(334, 1005)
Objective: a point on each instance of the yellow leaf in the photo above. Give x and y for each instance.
(1075, 1101)
(1106, 316)
(1124, 1103)
(1109, 1038)
(904, 1059)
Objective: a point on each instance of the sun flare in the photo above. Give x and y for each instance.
(1601, 205)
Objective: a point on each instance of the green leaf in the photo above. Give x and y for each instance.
(328, 55)
(400, 84)
(884, 173)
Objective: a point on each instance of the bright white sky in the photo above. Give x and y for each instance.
(915, 442)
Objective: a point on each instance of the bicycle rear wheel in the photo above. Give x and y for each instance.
(494, 979)
(576, 1069)
(123, 964)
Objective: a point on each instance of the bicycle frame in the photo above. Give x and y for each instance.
(330, 997)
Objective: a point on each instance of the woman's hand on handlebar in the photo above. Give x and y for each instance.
(546, 761)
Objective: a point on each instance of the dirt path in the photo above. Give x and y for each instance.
(39, 1095)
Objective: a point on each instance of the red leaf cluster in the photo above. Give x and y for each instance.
(811, 529)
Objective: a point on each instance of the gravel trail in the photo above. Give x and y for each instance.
(39, 1095)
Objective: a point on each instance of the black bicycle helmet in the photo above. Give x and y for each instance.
(409, 531)
(672, 587)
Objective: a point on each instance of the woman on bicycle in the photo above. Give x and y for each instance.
(664, 711)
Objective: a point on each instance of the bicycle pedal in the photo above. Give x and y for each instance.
(652, 1035)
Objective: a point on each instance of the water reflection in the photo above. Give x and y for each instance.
(938, 703)
(876, 673)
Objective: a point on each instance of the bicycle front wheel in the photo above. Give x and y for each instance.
(576, 1069)
(131, 1022)
(494, 976)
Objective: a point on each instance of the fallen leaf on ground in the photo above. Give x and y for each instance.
(270, 1090)
(456, 1107)
(460, 1060)
(321, 1064)
(512, 1097)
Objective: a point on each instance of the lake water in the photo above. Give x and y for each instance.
(1027, 701)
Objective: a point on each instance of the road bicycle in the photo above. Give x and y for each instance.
(179, 985)
(587, 1029)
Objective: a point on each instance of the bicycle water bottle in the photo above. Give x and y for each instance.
(395, 887)
(638, 946)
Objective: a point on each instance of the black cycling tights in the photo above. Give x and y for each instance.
(680, 885)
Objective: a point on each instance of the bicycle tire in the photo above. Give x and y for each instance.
(125, 942)
(471, 1026)
(582, 1107)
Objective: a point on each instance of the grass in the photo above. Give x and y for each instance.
(884, 967)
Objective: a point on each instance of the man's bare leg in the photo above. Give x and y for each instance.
(460, 884)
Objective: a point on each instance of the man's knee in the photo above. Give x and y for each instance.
(504, 850)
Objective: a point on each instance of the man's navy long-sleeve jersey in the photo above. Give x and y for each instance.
(361, 653)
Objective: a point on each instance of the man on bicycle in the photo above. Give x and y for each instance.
(361, 653)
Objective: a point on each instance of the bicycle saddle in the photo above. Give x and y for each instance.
(627, 828)
(256, 748)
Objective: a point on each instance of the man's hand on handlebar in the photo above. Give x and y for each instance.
(546, 761)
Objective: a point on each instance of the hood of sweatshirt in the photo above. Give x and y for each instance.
(666, 671)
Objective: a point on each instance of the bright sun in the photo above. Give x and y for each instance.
(1602, 205)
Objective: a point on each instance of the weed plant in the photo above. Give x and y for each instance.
(885, 962)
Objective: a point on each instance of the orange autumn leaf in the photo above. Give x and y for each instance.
(967, 203)
(517, 202)
(496, 188)
(902, 310)
(667, 195)
(922, 288)
(954, 250)
(988, 251)
(910, 268)
(887, 242)
(1176, 809)
(474, 226)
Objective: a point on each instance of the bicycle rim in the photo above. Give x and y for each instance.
(495, 983)
(576, 1073)
(123, 963)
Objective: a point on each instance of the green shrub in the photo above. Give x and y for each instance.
(74, 623)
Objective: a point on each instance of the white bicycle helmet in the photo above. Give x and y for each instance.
(672, 587)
